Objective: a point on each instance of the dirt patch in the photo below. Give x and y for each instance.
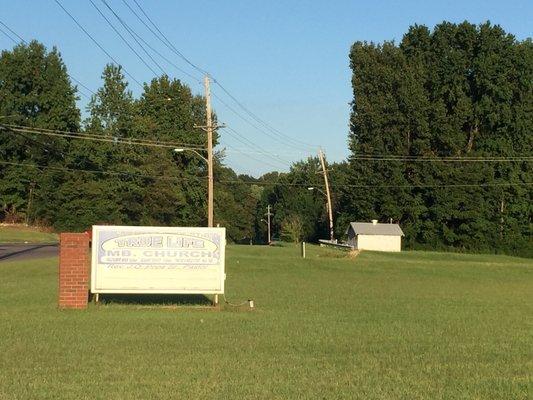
(353, 253)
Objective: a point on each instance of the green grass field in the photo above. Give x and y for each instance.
(413, 325)
(21, 234)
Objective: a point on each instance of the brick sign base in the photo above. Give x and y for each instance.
(74, 260)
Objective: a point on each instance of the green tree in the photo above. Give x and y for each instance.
(35, 90)
(458, 91)
(290, 198)
(168, 111)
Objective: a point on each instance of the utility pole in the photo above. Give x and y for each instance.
(328, 195)
(268, 214)
(28, 209)
(209, 128)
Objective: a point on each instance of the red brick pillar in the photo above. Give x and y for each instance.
(74, 258)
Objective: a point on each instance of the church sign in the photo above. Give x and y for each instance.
(135, 259)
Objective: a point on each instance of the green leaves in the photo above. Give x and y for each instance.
(35, 90)
(460, 90)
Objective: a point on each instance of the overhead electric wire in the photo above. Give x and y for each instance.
(164, 39)
(245, 141)
(128, 29)
(124, 39)
(259, 183)
(249, 122)
(45, 146)
(97, 137)
(8, 36)
(104, 172)
(25, 42)
(446, 159)
(191, 146)
(303, 185)
(248, 151)
(261, 161)
(100, 138)
(418, 157)
(131, 31)
(274, 133)
(138, 38)
(97, 43)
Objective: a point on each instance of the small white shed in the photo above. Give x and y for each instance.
(375, 236)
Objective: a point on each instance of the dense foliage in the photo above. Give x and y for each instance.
(460, 91)
(71, 184)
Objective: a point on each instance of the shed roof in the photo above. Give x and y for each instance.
(368, 228)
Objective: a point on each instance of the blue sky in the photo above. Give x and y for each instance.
(286, 61)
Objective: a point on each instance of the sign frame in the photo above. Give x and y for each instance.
(129, 231)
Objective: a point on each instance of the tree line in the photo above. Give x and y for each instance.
(440, 135)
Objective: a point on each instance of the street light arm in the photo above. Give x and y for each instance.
(181, 150)
(315, 188)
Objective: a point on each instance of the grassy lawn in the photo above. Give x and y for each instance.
(413, 325)
(21, 234)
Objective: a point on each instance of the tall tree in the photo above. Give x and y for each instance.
(35, 90)
(169, 111)
(454, 92)
(86, 198)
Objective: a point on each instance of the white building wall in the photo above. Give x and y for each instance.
(379, 242)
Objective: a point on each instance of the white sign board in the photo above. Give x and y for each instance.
(138, 259)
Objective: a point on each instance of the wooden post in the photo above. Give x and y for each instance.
(328, 195)
(209, 128)
(268, 222)
(303, 249)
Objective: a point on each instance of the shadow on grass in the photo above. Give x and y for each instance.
(192, 300)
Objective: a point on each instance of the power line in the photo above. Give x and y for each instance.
(97, 43)
(100, 138)
(13, 32)
(262, 183)
(170, 144)
(47, 148)
(251, 123)
(163, 38)
(139, 37)
(126, 42)
(83, 86)
(123, 39)
(242, 139)
(129, 30)
(8, 36)
(402, 156)
(262, 122)
(259, 160)
(246, 151)
(104, 172)
(115, 140)
(445, 159)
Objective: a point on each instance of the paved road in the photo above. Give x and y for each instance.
(19, 252)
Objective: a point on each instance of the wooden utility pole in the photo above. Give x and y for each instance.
(328, 195)
(209, 128)
(28, 209)
(268, 214)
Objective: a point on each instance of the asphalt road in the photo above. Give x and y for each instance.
(20, 252)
